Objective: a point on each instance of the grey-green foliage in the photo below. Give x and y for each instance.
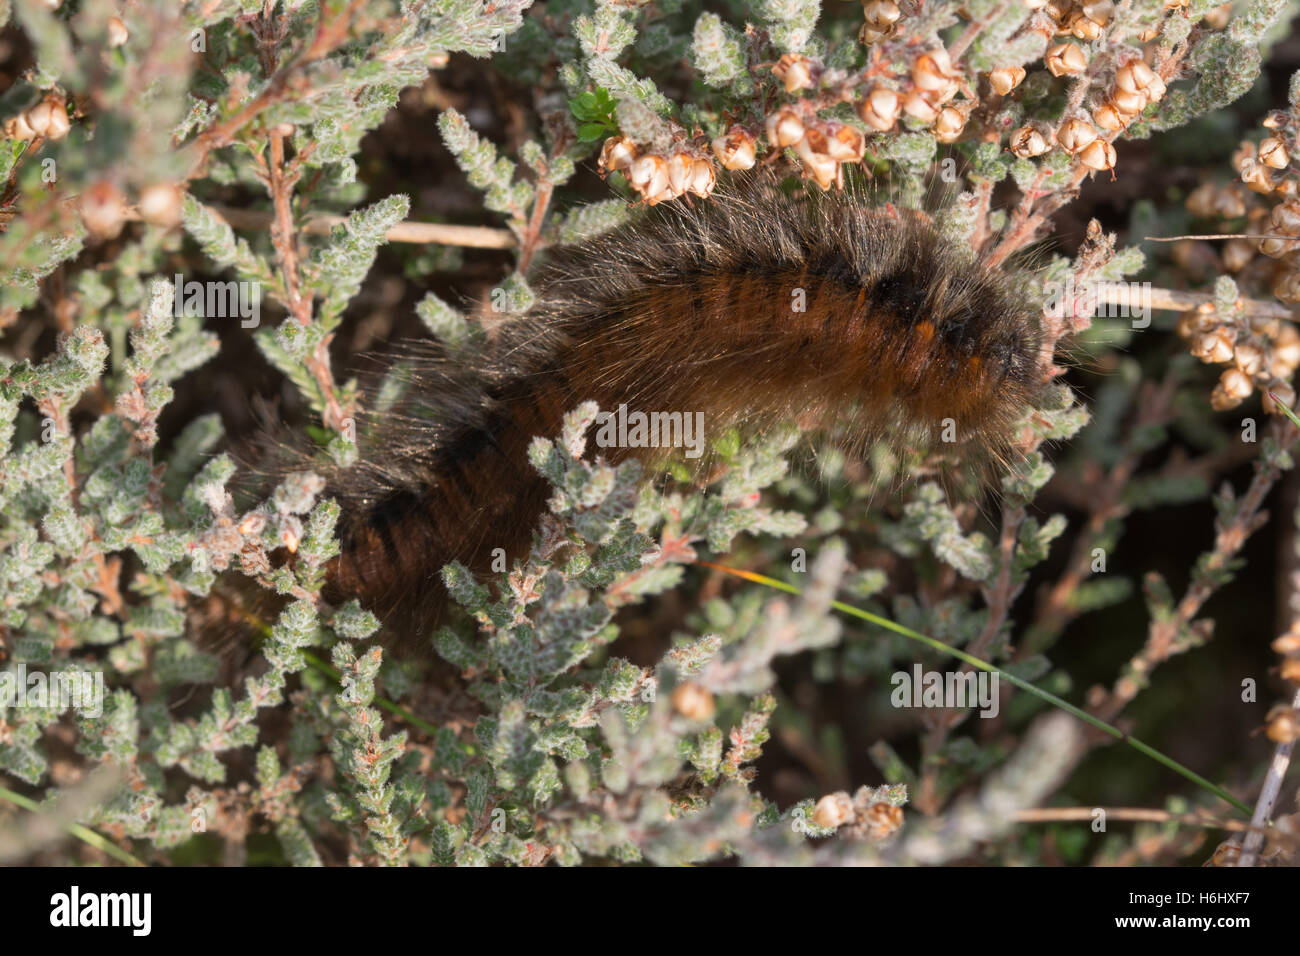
(554, 745)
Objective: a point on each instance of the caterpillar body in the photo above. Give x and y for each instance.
(752, 308)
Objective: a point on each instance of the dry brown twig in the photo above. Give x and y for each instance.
(1162, 637)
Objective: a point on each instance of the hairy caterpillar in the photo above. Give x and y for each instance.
(686, 310)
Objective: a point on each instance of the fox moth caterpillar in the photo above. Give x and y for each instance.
(751, 308)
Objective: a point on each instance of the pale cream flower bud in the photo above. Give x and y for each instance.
(879, 109)
(1029, 141)
(795, 71)
(1233, 388)
(59, 124)
(817, 166)
(833, 810)
(1248, 357)
(38, 116)
(693, 701)
(160, 205)
(16, 127)
(703, 178)
(680, 169)
(1214, 348)
(1273, 153)
(1098, 154)
(949, 125)
(1130, 104)
(1005, 79)
(784, 128)
(1066, 59)
(735, 149)
(617, 154)
(881, 15)
(933, 71)
(1237, 254)
(648, 174)
(103, 209)
(1108, 118)
(117, 32)
(1286, 348)
(1075, 134)
(1134, 77)
(917, 105)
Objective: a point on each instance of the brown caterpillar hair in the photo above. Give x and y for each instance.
(688, 308)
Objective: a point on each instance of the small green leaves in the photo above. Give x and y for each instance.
(594, 112)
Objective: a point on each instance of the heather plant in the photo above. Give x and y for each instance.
(184, 177)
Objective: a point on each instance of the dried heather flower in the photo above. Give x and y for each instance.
(880, 108)
(1233, 388)
(16, 127)
(680, 170)
(1075, 134)
(648, 175)
(918, 105)
(735, 148)
(703, 178)
(844, 144)
(784, 128)
(949, 124)
(1273, 153)
(1129, 103)
(1109, 118)
(795, 71)
(1005, 79)
(117, 32)
(38, 116)
(1066, 59)
(1029, 141)
(881, 820)
(1283, 392)
(58, 125)
(1283, 726)
(1209, 200)
(1214, 347)
(1283, 228)
(160, 205)
(881, 16)
(103, 209)
(818, 167)
(1286, 347)
(933, 72)
(1248, 357)
(833, 810)
(1099, 154)
(1134, 77)
(617, 154)
(1237, 254)
(693, 701)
